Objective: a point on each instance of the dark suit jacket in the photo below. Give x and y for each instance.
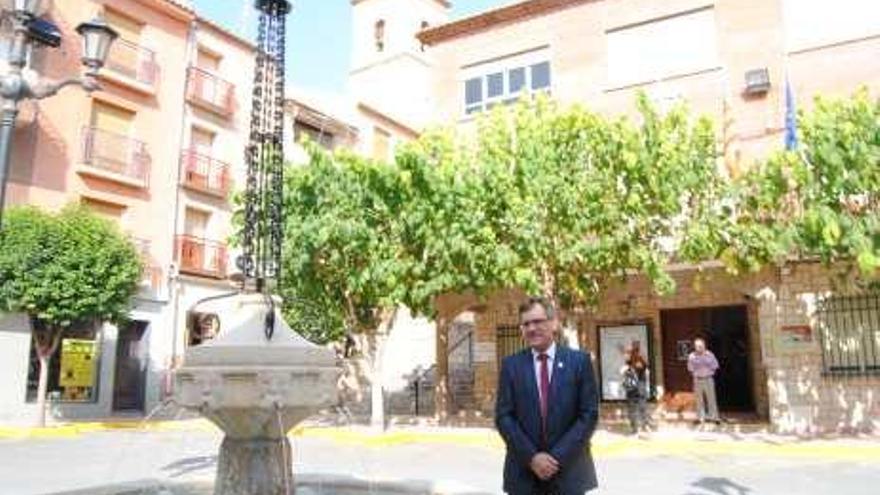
(573, 411)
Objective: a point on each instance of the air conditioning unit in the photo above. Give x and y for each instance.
(757, 82)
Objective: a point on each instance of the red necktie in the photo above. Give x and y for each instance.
(545, 385)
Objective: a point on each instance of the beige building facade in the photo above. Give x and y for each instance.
(158, 150)
(796, 348)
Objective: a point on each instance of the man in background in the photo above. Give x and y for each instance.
(702, 365)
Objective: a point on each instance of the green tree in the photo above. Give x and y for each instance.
(342, 250)
(64, 269)
(561, 200)
(821, 201)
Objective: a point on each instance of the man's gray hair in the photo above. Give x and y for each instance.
(533, 301)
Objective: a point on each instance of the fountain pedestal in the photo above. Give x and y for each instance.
(255, 389)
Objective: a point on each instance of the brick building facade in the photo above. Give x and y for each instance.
(796, 348)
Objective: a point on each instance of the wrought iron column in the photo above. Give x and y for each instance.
(260, 261)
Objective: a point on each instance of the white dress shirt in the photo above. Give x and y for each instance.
(551, 356)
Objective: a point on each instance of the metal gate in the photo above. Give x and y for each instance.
(461, 366)
(508, 341)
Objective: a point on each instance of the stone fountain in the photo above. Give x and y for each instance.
(255, 389)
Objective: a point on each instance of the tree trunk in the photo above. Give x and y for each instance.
(377, 390)
(41, 389)
(45, 347)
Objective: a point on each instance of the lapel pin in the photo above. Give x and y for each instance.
(560, 365)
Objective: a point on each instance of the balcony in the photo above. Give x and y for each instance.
(135, 64)
(199, 256)
(115, 157)
(210, 92)
(203, 173)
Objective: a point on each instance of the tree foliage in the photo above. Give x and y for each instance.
(342, 250)
(820, 201)
(547, 198)
(67, 268)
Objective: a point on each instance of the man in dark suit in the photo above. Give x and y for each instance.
(547, 410)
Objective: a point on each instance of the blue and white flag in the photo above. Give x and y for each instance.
(791, 140)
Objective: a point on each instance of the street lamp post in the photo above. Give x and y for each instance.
(97, 37)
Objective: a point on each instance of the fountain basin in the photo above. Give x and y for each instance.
(255, 388)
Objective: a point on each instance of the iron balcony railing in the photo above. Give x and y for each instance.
(200, 256)
(116, 153)
(206, 89)
(205, 173)
(133, 61)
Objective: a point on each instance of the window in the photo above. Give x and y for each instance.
(105, 209)
(505, 81)
(517, 79)
(849, 329)
(379, 35)
(202, 141)
(381, 143)
(666, 47)
(110, 118)
(540, 75)
(196, 222)
(73, 367)
(813, 23)
(208, 61)
(128, 28)
(319, 136)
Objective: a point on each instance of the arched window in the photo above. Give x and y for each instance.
(379, 34)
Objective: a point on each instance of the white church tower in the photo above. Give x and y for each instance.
(390, 70)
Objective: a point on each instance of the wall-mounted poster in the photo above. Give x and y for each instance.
(613, 342)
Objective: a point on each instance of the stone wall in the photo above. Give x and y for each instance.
(804, 398)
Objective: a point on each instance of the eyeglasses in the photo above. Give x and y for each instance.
(536, 322)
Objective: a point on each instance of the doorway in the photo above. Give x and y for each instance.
(130, 377)
(725, 330)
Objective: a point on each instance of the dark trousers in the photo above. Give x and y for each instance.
(637, 407)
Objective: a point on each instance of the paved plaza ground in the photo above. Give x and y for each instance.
(675, 461)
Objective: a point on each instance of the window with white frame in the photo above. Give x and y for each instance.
(814, 23)
(674, 45)
(505, 80)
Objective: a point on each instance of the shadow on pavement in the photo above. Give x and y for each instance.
(190, 464)
(719, 486)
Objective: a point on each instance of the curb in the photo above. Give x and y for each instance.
(72, 430)
(604, 445)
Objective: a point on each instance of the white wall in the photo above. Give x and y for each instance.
(15, 342)
(411, 345)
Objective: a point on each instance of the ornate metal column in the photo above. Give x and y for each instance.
(260, 261)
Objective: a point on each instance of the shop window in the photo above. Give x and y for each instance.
(73, 368)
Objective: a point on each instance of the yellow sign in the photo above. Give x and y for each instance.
(77, 363)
